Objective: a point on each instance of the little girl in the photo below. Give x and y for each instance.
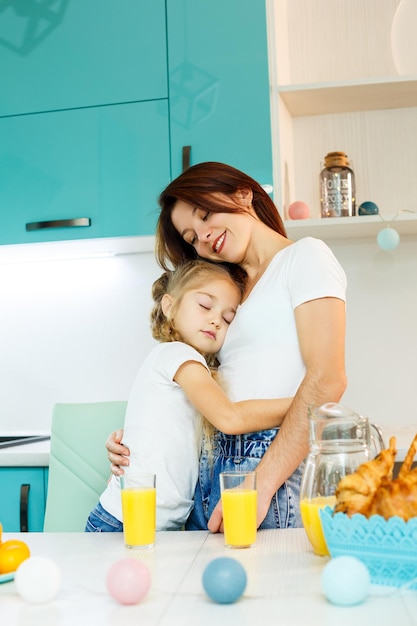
(194, 306)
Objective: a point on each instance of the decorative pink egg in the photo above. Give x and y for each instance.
(128, 581)
(298, 210)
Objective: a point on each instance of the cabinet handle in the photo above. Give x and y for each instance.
(24, 504)
(71, 223)
(186, 157)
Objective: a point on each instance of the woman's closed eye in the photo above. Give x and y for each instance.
(203, 215)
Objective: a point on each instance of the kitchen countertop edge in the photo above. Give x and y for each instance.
(37, 454)
(27, 455)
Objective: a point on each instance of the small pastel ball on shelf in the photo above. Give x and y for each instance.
(345, 581)
(128, 581)
(388, 238)
(298, 210)
(38, 580)
(368, 208)
(224, 580)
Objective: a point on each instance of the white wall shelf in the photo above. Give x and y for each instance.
(344, 94)
(360, 227)
(349, 96)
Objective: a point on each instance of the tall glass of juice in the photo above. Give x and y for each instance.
(139, 509)
(239, 503)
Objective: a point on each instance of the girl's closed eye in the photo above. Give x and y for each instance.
(229, 317)
(204, 301)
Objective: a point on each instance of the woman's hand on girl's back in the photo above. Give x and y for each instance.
(117, 452)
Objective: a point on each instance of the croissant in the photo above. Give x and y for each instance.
(398, 496)
(355, 492)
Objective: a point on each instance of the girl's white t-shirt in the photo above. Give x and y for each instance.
(261, 356)
(162, 431)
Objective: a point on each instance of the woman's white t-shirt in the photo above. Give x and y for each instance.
(261, 356)
(161, 429)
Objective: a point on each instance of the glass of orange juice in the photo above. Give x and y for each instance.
(139, 509)
(239, 502)
(310, 516)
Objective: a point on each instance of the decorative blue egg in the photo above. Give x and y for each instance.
(388, 238)
(368, 208)
(224, 580)
(345, 581)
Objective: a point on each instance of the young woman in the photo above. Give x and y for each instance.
(194, 306)
(287, 338)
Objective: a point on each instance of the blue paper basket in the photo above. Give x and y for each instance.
(387, 547)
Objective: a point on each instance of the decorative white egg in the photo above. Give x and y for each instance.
(38, 580)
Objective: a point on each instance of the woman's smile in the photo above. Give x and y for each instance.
(218, 243)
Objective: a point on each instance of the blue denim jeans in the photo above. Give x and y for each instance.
(243, 452)
(99, 521)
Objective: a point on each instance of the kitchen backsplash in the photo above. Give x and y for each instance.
(77, 330)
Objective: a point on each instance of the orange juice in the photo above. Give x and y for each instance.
(139, 516)
(239, 516)
(309, 509)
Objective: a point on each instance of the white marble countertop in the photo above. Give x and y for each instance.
(284, 584)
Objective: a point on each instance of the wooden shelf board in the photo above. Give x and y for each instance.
(345, 97)
(350, 227)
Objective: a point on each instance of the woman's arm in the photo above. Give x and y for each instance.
(321, 332)
(232, 418)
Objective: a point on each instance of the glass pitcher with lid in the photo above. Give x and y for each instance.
(340, 441)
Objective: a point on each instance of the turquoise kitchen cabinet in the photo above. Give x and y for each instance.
(219, 84)
(23, 498)
(102, 164)
(67, 54)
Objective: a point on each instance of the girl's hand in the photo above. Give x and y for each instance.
(117, 452)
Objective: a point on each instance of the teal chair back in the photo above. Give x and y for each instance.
(78, 465)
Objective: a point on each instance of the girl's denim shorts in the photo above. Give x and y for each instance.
(243, 452)
(99, 521)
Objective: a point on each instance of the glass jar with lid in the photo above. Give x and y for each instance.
(337, 186)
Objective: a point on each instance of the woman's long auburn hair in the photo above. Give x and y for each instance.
(195, 186)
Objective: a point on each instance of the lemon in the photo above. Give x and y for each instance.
(12, 553)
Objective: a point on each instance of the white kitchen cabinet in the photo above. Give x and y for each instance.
(335, 86)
